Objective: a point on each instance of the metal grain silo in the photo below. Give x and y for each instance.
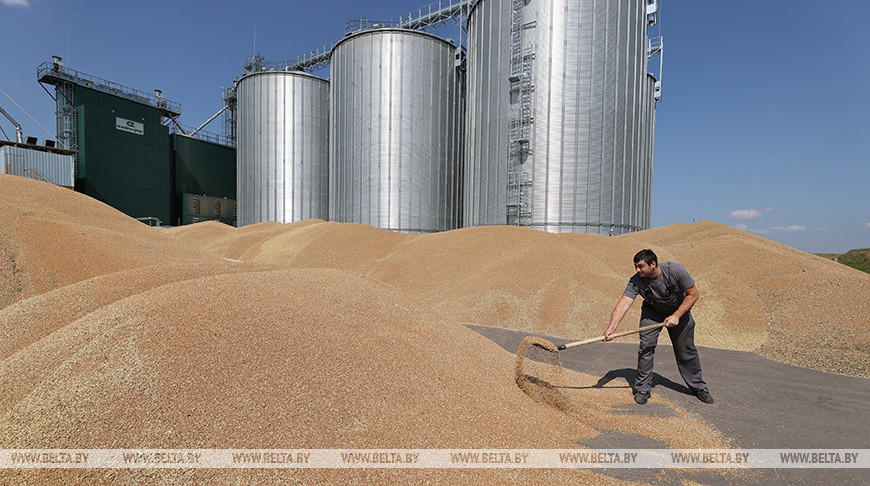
(560, 115)
(283, 146)
(394, 131)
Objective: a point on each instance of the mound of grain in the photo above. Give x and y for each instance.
(757, 295)
(302, 358)
(50, 311)
(51, 237)
(25, 323)
(309, 243)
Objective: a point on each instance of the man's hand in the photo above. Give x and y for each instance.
(692, 296)
(616, 316)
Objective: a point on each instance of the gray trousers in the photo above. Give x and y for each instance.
(683, 340)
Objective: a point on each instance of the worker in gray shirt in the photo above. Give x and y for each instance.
(668, 292)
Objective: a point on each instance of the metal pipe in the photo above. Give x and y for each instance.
(178, 125)
(19, 133)
(208, 121)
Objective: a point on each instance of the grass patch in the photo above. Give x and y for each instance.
(858, 259)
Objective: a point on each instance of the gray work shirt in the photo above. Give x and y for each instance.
(663, 294)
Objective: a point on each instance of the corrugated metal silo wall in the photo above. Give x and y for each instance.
(589, 154)
(394, 156)
(283, 147)
(126, 167)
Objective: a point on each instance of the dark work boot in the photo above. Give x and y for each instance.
(641, 397)
(704, 396)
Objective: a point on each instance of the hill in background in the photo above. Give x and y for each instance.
(858, 259)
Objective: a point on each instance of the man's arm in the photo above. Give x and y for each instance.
(616, 316)
(692, 296)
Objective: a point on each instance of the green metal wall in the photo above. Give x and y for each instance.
(203, 167)
(131, 172)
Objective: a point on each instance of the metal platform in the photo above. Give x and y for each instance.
(55, 73)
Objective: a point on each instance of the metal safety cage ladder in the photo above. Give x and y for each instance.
(228, 95)
(519, 132)
(67, 132)
(655, 46)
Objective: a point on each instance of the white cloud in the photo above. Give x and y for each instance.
(867, 225)
(745, 214)
(742, 227)
(789, 229)
(16, 3)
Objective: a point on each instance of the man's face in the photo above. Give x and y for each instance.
(644, 269)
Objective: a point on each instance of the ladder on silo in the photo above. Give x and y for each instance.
(228, 95)
(519, 133)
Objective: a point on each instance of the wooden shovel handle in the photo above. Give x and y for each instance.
(619, 334)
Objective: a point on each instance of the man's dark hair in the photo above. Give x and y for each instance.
(646, 255)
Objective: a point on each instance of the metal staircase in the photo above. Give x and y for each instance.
(19, 168)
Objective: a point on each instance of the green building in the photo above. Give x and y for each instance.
(124, 155)
(129, 159)
(205, 180)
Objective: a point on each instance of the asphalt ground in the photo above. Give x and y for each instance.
(759, 404)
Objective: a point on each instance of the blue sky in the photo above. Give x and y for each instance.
(764, 124)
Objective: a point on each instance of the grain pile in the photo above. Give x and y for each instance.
(116, 335)
(317, 335)
(51, 236)
(756, 295)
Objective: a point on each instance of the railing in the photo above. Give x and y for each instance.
(362, 23)
(202, 135)
(312, 60)
(654, 46)
(22, 170)
(51, 71)
(436, 15)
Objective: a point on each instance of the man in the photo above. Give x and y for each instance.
(668, 293)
